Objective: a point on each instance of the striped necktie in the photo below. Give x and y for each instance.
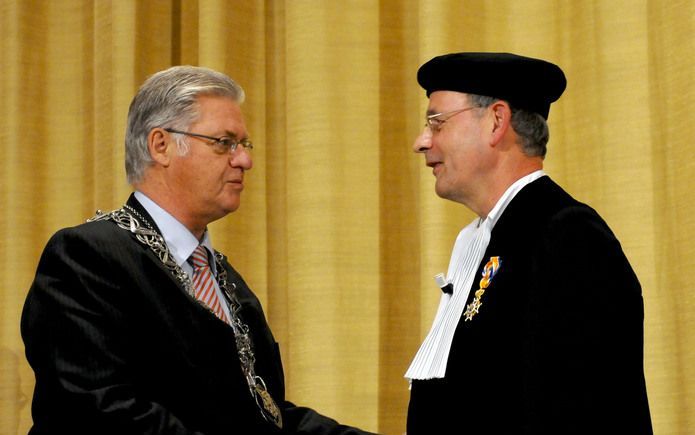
(204, 282)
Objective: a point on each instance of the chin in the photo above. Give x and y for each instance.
(230, 209)
(447, 194)
(441, 191)
(231, 206)
(229, 202)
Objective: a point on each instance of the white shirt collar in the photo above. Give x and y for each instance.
(180, 241)
(509, 194)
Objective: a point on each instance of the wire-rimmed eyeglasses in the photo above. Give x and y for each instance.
(223, 144)
(435, 121)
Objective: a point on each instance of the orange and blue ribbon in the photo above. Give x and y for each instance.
(489, 271)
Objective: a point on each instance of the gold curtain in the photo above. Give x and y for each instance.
(340, 231)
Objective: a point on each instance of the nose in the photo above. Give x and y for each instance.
(241, 158)
(424, 141)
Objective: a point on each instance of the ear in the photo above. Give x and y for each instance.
(160, 145)
(501, 120)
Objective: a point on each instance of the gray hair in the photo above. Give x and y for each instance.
(530, 126)
(168, 99)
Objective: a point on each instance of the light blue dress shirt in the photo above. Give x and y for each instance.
(180, 241)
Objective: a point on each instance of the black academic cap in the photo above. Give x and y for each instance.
(524, 82)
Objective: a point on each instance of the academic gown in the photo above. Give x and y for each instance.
(557, 345)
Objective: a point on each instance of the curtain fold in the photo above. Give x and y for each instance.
(340, 231)
(332, 206)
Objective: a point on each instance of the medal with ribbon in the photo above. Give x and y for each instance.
(489, 271)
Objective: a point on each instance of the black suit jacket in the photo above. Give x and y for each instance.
(557, 345)
(119, 347)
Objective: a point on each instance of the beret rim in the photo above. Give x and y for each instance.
(524, 82)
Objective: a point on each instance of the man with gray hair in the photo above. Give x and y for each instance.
(539, 329)
(134, 323)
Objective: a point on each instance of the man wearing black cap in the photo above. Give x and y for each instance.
(539, 329)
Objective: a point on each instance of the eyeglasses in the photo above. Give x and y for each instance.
(437, 120)
(223, 144)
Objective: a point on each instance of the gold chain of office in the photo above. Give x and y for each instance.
(129, 219)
